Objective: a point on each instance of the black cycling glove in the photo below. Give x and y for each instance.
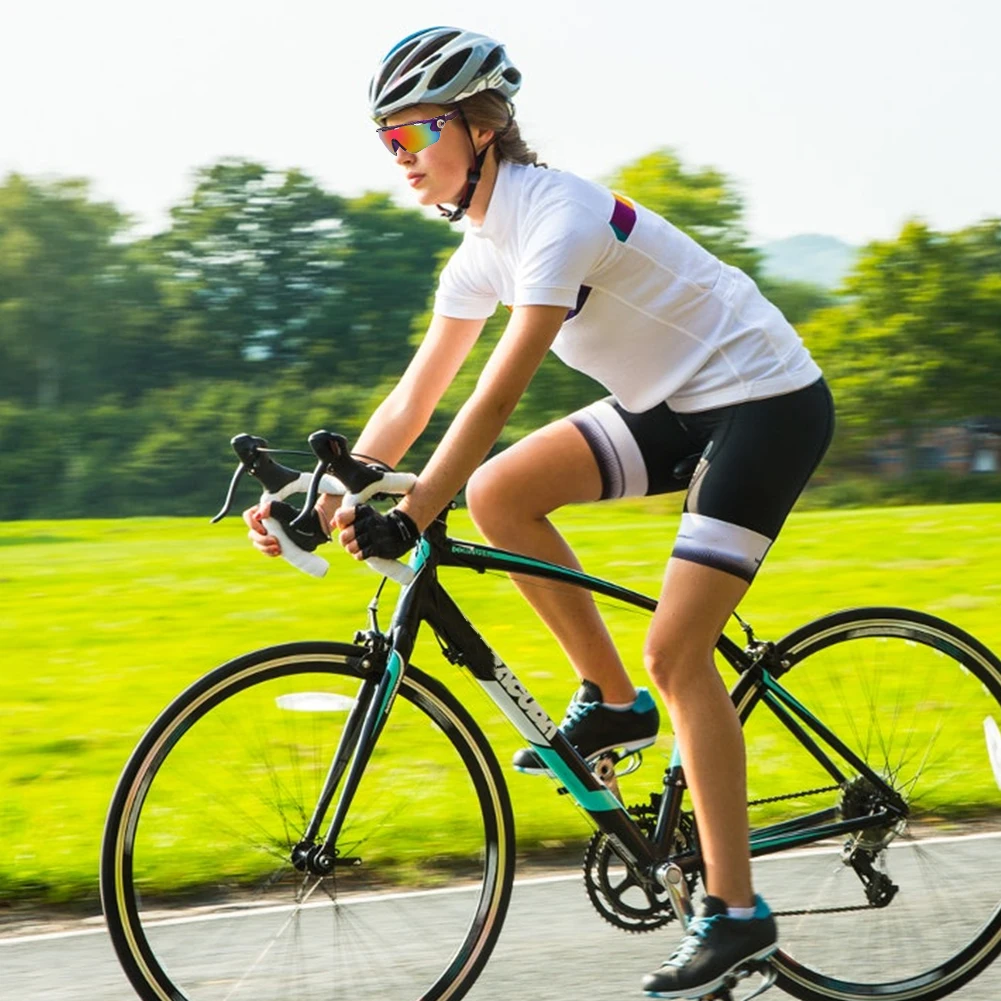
(308, 534)
(387, 535)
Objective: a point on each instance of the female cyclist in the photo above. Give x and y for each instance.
(699, 364)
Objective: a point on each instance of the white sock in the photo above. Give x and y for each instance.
(619, 707)
(741, 913)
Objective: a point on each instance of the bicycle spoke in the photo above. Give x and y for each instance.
(914, 714)
(235, 793)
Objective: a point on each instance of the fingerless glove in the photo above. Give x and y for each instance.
(387, 535)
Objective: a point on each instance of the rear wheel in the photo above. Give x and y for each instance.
(202, 899)
(912, 910)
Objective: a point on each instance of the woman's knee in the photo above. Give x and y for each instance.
(490, 499)
(673, 660)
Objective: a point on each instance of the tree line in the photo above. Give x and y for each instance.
(274, 306)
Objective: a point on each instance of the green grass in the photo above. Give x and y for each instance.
(102, 622)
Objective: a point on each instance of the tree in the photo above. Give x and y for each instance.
(267, 271)
(797, 300)
(386, 276)
(917, 337)
(251, 261)
(59, 252)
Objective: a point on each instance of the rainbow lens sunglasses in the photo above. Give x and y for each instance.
(412, 137)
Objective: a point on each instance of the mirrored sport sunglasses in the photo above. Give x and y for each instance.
(412, 137)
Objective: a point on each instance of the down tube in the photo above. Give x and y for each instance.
(534, 724)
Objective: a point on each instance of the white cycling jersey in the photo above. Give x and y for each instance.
(652, 316)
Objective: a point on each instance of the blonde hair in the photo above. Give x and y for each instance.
(489, 109)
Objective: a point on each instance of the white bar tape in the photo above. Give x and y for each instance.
(317, 566)
(309, 562)
(328, 485)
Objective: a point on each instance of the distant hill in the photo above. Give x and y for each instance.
(821, 260)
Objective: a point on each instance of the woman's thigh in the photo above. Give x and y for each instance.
(543, 471)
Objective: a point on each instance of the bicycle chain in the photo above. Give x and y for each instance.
(793, 795)
(809, 910)
(651, 921)
(822, 910)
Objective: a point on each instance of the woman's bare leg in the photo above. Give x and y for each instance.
(694, 605)
(509, 499)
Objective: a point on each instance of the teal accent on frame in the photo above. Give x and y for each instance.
(420, 555)
(593, 801)
(463, 549)
(394, 668)
(773, 686)
(781, 841)
(676, 755)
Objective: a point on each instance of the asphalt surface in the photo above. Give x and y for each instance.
(553, 946)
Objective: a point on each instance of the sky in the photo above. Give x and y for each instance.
(845, 118)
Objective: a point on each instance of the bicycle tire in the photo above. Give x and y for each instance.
(942, 926)
(323, 927)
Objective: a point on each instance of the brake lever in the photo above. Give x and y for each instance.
(231, 493)
(331, 451)
(358, 477)
(273, 476)
(247, 448)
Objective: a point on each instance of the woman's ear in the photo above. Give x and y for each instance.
(483, 137)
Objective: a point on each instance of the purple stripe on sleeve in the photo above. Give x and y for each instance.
(623, 218)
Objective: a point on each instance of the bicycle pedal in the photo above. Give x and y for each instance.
(613, 759)
(604, 768)
(725, 993)
(768, 977)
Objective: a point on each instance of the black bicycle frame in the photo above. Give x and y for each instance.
(758, 668)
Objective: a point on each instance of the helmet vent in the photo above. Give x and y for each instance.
(492, 61)
(403, 89)
(427, 50)
(449, 69)
(512, 76)
(390, 68)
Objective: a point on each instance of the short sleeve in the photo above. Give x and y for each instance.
(463, 291)
(561, 247)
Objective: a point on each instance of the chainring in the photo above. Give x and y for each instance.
(616, 894)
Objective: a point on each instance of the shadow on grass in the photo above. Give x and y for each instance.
(36, 540)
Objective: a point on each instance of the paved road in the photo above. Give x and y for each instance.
(553, 946)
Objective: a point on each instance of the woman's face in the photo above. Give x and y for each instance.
(437, 174)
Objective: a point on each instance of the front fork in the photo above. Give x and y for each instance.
(361, 731)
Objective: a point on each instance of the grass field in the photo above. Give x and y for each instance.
(104, 621)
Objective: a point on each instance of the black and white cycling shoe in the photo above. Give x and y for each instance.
(714, 949)
(594, 728)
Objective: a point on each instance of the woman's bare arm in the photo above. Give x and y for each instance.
(528, 336)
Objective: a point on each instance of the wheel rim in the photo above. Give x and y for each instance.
(225, 792)
(911, 697)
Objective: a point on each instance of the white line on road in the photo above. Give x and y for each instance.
(254, 910)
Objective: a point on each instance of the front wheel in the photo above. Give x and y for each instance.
(911, 910)
(202, 900)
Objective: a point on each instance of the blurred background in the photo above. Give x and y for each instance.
(201, 235)
(197, 224)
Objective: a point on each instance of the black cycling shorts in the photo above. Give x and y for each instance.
(743, 466)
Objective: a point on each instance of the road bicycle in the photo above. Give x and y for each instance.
(354, 835)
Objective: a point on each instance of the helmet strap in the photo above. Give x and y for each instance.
(472, 175)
